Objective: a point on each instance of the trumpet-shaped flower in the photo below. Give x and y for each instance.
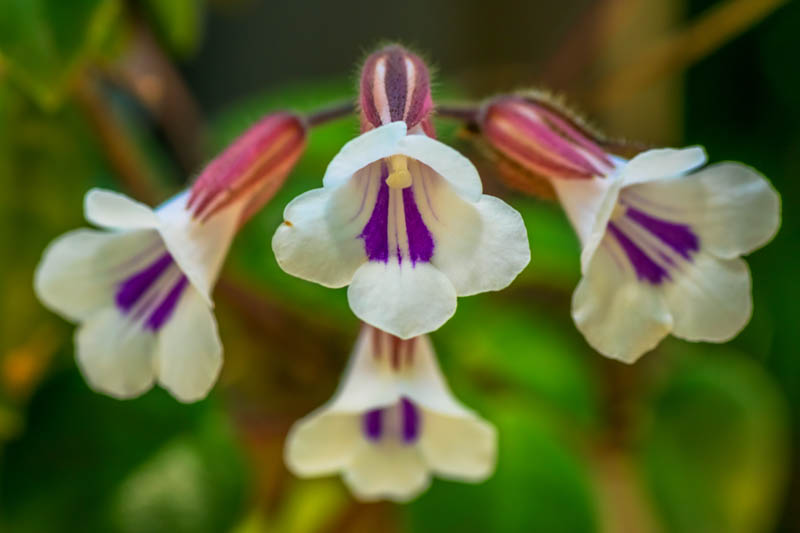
(661, 234)
(141, 287)
(392, 423)
(401, 217)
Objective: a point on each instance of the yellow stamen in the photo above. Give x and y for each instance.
(399, 176)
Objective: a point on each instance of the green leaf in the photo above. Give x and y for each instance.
(92, 463)
(492, 346)
(179, 22)
(44, 42)
(194, 483)
(715, 452)
(541, 484)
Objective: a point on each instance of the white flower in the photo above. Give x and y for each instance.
(661, 245)
(402, 220)
(392, 423)
(141, 291)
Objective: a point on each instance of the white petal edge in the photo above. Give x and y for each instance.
(619, 316)
(493, 260)
(189, 356)
(76, 275)
(711, 299)
(315, 242)
(458, 448)
(389, 471)
(115, 355)
(322, 443)
(589, 205)
(447, 162)
(113, 210)
(403, 300)
(199, 248)
(370, 382)
(732, 207)
(662, 163)
(368, 147)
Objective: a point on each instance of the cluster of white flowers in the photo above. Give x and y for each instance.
(402, 221)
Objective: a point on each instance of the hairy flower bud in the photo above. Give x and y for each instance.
(254, 166)
(541, 138)
(395, 85)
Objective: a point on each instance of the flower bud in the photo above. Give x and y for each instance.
(542, 138)
(251, 169)
(395, 85)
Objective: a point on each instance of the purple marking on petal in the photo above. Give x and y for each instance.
(679, 237)
(411, 420)
(132, 289)
(375, 233)
(373, 424)
(646, 268)
(161, 314)
(420, 240)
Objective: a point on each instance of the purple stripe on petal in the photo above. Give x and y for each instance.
(411, 421)
(679, 237)
(161, 314)
(375, 233)
(420, 240)
(373, 424)
(646, 268)
(132, 289)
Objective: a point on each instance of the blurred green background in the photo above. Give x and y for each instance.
(135, 96)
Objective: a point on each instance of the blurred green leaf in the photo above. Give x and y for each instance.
(541, 484)
(179, 22)
(91, 456)
(497, 347)
(43, 42)
(192, 484)
(715, 449)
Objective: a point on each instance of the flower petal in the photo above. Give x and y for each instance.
(732, 207)
(367, 384)
(710, 300)
(366, 148)
(620, 317)
(588, 205)
(113, 210)
(446, 161)
(79, 271)
(387, 471)
(370, 381)
(483, 250)
(662, 163)
(462, 448)
(189, 350)
(199, 247)
(405, 300)
(318, 240)
(425, 384)
(115, 354)
(322, 443)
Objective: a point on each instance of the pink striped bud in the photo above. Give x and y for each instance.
(252, 168)
(395, 85)
(542, 138)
